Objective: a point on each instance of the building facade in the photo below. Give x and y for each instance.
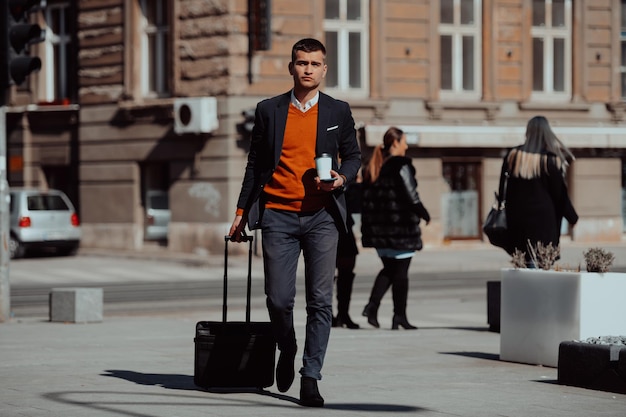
(140, 95)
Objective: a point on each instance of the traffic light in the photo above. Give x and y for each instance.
(17, 35)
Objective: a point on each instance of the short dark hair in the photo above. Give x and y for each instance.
(307, 45)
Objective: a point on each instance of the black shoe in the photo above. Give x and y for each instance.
(309, 394)
(371, 312)
(402, 322)
(284, 370)
(334, 322)
(345, 321)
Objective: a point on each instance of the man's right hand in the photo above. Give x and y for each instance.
(237, 229)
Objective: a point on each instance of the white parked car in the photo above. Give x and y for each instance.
(42, 220)
(158, 215)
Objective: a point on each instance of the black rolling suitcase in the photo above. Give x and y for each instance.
(234, 354)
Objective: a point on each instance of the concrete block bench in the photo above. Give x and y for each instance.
(595, 366)
(76, 305)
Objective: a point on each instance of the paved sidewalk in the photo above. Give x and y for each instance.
(142, 366)
(456, 256)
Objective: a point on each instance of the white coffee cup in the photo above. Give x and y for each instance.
(323, 164)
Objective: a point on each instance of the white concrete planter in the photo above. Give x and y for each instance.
(540, 309)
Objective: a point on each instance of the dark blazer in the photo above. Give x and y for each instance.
(535, 207)
(392, 209)
(336, 136)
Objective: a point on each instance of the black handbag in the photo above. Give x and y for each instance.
(495, 226)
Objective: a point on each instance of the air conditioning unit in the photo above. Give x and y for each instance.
(195, 115)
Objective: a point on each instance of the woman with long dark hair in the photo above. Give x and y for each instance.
(391, 213)
(536, 198)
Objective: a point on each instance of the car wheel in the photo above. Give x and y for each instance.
(16, 249)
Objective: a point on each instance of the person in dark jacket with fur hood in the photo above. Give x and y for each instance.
(536, 196)
(391, 213)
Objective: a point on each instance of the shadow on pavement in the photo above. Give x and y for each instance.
(374, 408)
(134, 404)
(185, 382)
(471, 329)
(170, 381)
(478, 355)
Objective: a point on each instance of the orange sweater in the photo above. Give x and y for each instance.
(293, 186)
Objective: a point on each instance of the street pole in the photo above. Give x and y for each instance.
(5, 289)
(5, 299)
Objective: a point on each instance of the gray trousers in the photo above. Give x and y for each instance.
(285, 234)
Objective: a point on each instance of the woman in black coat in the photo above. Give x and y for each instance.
(391, 212)
(536, 195)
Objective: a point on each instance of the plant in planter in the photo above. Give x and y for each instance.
(598, 260)
(518, 259)
(542, 307)
(544, 256)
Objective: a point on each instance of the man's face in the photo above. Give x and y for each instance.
(308, 69)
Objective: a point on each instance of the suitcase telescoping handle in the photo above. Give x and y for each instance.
(244, 238)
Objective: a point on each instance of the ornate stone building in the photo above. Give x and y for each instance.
(109, 116)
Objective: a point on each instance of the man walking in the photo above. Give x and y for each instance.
(282, 195)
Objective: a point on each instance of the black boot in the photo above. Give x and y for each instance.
(285, 373)
(285, 369)
(345, 321)
(400, 291)
(344, 291)
(401, 321)
(309, 394)
(381, 285)
(371, 312)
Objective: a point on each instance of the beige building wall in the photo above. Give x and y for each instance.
(596, 195)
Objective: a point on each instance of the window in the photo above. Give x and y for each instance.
(148, 52)
(154, 48)
(551, 48)
(46, 202)
(346, 25)
(56, 59)
(623, 49)
(460, 47)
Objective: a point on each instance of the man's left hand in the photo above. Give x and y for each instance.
(339, 182)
